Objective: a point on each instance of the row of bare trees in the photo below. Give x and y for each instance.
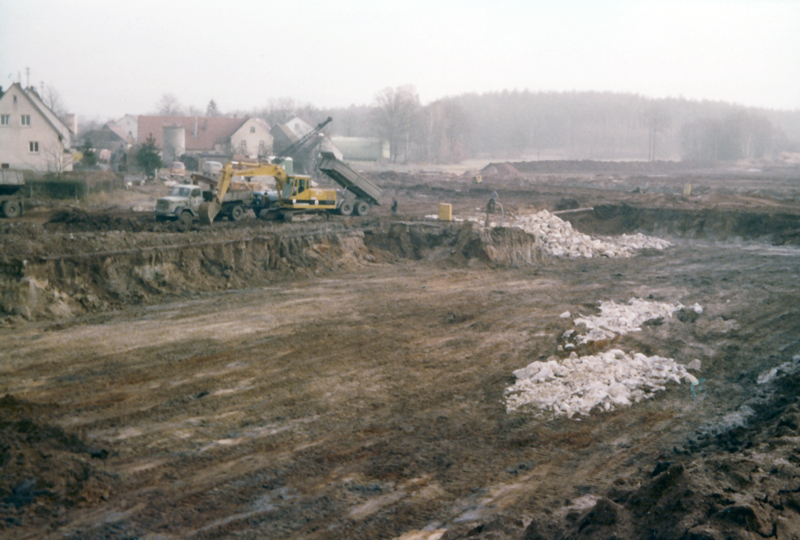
(541, 125)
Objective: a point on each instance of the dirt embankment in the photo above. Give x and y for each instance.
(64, 274)
(777, 228)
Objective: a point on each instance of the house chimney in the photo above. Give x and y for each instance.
(72, 122)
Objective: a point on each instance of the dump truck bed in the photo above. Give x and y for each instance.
(342, 174)
(11, 181)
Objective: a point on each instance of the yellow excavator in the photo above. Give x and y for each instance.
(295, 193)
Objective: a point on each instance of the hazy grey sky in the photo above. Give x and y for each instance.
(112, 57)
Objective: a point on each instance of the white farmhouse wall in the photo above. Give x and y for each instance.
(33, 145)
(252, 138)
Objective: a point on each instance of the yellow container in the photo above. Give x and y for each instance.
(687, 190)
(445, 212)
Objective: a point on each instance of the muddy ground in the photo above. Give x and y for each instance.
(344, 378)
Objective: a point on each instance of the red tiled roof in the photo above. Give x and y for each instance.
(211, 130)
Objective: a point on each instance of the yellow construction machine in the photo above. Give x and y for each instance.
(295, 193)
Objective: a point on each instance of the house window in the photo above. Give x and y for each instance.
(33, 146)
(244, 144)
(5, 119)
(252, 130)
(26, 119)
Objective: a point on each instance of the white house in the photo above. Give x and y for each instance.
(253, 138)
(126, 127)
(32, 137)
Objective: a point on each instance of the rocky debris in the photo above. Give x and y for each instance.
(559, 239)
(32, 298)
(619, 319)
(605, 381)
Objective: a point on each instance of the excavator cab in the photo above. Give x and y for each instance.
(300, 186)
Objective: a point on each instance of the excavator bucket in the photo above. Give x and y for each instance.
(208, 211)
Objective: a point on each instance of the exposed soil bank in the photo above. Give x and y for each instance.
(47, 272)
(97, 271)
(775, 228)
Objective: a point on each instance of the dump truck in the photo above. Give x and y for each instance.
(359, 193)
(11, 184)
(185, 201)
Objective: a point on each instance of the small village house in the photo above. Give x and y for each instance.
(32, 136)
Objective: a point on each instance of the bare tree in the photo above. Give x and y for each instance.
(52, 98)
(281, 110)
(169, 105)
(57, 157)
(396, 114)
(657, 120)
(449, 129)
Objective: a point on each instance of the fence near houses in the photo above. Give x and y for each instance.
(72, 185)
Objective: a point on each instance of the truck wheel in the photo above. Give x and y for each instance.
(12, 209)
(186, 218)
(346, 208)
(362, 208)
(237, 213)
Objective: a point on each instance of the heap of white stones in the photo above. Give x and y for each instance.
(577, 385)
(619, 319)
(559, 239)
(606, 380)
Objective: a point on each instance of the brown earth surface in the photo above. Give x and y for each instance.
(344, 378)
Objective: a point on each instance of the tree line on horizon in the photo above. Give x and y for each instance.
(525, 125)
(557, 125)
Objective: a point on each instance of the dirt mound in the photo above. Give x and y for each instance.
(500, 170)
(78, 220)
(44, 468)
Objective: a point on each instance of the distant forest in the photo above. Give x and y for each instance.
(558, 125)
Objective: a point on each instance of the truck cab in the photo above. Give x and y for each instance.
(182, 203)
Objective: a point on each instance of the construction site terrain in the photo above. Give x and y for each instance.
(351, 378)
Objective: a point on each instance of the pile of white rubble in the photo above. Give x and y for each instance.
(559, 239)
(619, 319)
(606, 380)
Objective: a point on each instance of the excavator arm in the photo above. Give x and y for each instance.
(209, 210)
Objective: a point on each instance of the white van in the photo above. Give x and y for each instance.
(211, 167)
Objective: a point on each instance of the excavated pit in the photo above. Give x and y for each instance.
(345, 379)
(81, 262)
